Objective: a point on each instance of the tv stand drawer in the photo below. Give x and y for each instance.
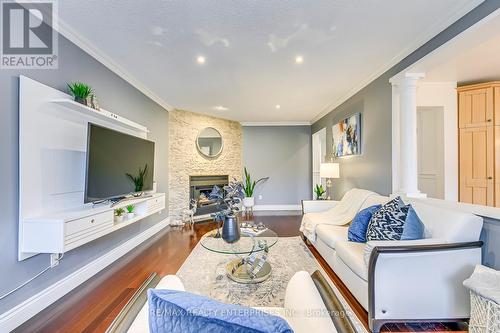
(85, 225)
(156, 204)
(67, 230)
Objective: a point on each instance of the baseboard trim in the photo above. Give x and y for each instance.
(21, 313)
(276, 207)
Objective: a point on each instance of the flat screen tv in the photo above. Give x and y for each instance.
(112, 159)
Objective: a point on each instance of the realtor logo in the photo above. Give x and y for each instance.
(29, 37)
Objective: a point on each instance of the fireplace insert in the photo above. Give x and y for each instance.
(200, 188)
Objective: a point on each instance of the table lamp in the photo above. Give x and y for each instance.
(329, 171)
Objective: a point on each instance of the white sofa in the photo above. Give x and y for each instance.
(404, 281)
(304, 309)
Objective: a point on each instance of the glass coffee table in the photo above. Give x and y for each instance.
(251, 265)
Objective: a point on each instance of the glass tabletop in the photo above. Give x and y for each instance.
(248, 243)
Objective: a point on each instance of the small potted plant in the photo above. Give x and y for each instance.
(130, 211)
(319, 191)
(139, 180)
(248, 188)
(119, 214)
(80, 91)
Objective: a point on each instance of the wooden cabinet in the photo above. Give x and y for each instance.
(476, 165)
(479, 143)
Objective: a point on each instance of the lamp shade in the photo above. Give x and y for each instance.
(329, 170)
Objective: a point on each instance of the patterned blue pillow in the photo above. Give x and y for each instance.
(388, 222)
(359, 225)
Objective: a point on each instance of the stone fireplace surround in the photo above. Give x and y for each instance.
(186, 161)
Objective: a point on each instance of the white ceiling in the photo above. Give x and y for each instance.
(250, 49)
(473, 56)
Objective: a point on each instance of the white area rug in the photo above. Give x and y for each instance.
(204, 273)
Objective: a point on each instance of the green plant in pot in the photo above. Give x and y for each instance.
(139, 179)
(248, 189)
(319, 191)
(80, 91)
(130, 211)
(119, 214)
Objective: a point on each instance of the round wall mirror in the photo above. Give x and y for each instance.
(209, 142)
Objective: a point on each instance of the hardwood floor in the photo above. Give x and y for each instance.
(93, 306)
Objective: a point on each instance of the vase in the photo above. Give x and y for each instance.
(249, 202)
(230, 229)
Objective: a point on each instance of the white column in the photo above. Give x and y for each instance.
(395, 136)
(408, 161)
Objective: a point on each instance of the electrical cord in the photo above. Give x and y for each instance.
(28, 281)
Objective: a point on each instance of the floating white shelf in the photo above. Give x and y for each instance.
(100, 114)
(63, 231)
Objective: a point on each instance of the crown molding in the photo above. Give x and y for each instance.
(419, 41)
(276, 123)
(73, 36)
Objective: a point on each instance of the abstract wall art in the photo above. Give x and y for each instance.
(347, 136)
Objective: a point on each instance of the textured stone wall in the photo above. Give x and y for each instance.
(185, 160)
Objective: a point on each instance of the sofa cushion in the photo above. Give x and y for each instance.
(387, 223)
(359, 225)
(352, 254)
(331, 234)
(373, 244)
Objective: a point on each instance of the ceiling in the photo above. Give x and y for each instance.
(471, 57)
(250, 48)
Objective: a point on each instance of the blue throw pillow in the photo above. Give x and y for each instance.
(180, 311)
(359, 225)
(413, 228)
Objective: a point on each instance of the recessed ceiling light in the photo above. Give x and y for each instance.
(299, 59)
(200, 60)
(278, 106)
(220, 108)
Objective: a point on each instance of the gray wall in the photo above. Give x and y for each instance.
(283, 153)
(114, 94)
(372, 169)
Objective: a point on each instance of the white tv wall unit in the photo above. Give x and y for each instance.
(52, 149)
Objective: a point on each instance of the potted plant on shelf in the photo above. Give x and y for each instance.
(228, 208)
(80, 91)
(248, 188)
(139, 179)
(130, 211)
(119, 214)
(319, 191)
